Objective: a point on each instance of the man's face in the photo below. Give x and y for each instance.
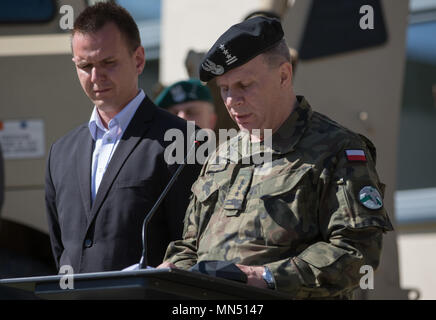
(107, 70)
(251, 94)
(199, 111)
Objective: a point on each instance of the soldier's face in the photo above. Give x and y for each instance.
(199, 111)
(107, 70)
(251, 94)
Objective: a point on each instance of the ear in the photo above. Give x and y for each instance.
(140, 59)
(285, 71)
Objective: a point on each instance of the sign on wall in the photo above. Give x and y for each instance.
(22, 139)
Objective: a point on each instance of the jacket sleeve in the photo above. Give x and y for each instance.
(52, 215)
(351, 230)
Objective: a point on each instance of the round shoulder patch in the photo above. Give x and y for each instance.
(370, 198)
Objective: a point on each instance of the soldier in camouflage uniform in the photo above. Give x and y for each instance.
(303, 223)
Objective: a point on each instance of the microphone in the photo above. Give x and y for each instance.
(143, 261)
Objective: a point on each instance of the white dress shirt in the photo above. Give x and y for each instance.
(106, 140)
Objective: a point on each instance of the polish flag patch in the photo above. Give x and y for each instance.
(355, 155)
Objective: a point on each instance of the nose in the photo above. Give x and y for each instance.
(96, 74)
(233, 98)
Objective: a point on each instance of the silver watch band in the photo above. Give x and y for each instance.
(269, 278)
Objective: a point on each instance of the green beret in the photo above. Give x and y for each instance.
(183, 91)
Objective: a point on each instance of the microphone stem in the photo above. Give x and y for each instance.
(143, 262)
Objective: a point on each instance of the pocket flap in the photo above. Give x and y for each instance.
(134, 183)
(283, 183)
(321, 254)
(204, 187)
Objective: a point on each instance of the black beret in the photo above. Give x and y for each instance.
(239, 44)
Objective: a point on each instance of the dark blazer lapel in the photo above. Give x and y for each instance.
(83, 165)
(138, 126)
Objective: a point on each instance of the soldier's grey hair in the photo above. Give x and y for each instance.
(277, 54)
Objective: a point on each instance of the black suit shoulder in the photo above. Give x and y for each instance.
(163, 119)
(70, 139)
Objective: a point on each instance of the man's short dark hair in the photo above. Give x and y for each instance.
(93, 18)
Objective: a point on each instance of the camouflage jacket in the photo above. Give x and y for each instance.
(314, 217)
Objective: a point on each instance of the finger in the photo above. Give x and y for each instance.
(166, 264)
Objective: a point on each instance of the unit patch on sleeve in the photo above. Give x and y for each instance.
(370, 198)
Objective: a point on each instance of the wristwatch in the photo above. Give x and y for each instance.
(269, 278)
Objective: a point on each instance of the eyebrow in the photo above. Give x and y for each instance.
(243, 81)
(81, 63)
(84, 62)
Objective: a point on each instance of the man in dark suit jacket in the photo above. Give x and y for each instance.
(103, 177)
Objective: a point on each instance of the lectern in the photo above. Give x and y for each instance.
(151, 284)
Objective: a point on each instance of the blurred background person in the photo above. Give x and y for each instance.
(190, 100)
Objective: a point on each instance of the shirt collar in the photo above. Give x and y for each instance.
(122, 119)
(291, 131)
(283, 140)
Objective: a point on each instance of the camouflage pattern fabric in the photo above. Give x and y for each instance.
(303, 219)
